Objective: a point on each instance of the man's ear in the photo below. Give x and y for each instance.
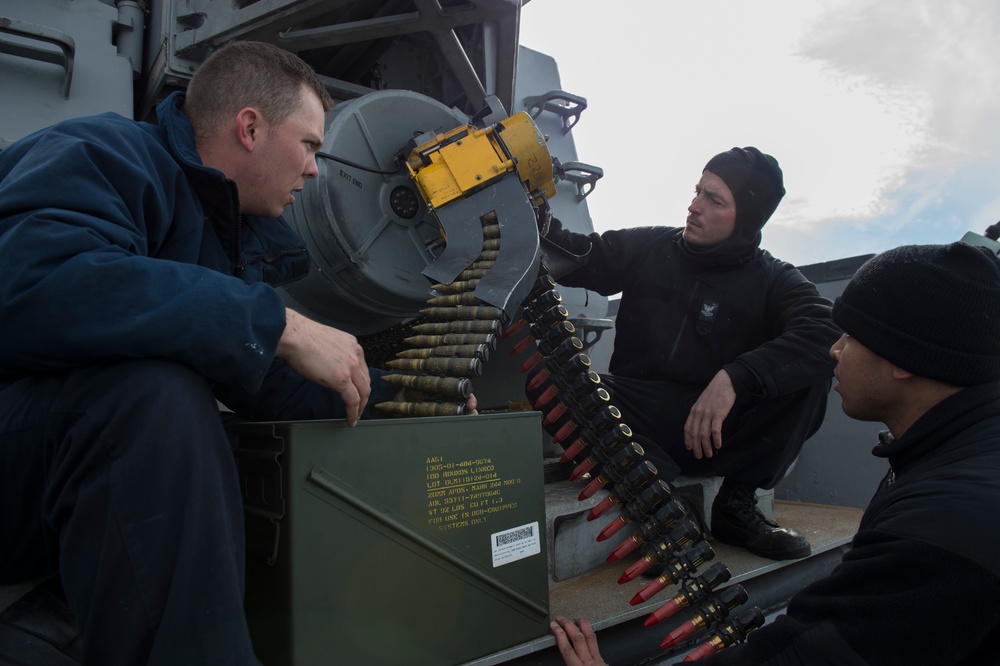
(248, 124)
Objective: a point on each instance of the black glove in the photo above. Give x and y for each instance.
(572, 242)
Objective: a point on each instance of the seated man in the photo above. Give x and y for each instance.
(141, 263)
(719, 363)
(920, 353)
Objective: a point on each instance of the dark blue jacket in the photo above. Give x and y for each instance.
(118, 243)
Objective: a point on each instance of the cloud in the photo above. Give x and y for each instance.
(883, 115)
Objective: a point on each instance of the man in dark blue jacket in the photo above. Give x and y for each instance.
(140, 264)
(920, 353)
(720, 361)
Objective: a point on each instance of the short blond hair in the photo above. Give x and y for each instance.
(242, 74)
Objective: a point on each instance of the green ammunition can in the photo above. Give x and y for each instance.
(399, 541)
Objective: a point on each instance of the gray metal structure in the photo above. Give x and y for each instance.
(399, 67)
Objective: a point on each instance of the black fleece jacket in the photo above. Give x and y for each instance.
(921, 581)
(683, 317)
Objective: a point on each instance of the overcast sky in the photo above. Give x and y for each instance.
(885, 116)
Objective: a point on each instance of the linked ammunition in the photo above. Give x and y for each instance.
(422, 408)
(546, 336)
(565, 352)
(692, 591)
(646, 502)
(626, 489)
(459, 367)
(606, 443)
(479, 264)
(553, 314)
(656, 526)
(730, 634)
(456, 287)
(457, 387)
(607, 419)
(487, 312)
(482, 352)
(713, 612)
(676, 569)
(571, 389)
(465, 298)
(471, 274)
(458, 326)
(487, 339)
(615, 470)
(604, 448)
(668, 536)
(582, 412)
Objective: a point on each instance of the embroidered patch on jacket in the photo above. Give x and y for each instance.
(706, 316)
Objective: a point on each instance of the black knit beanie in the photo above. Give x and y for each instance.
(933, 310)
(756, 182)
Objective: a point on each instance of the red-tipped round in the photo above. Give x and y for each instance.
(532, 361)
(633, 571)
(513, 328)
(546, 396)
(678, 634)
(522, 344)
(662, 613)
(612, 528)
(565, 431)
(538, 379)
(601, 508)
(555, 413)
(582, 469)
(573, 450)
(646, 593)
(591, 488)
(623, 549)
(701, 651)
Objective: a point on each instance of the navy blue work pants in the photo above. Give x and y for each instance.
(120, 478)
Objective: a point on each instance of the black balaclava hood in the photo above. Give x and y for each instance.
(756, 181)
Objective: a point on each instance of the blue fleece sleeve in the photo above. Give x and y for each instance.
(287, 396)
(99, 258)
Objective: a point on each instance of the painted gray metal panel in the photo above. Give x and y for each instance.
(33, 89)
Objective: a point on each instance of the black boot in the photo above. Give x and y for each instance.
(737, 521)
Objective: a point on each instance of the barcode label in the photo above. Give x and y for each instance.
(515, 544)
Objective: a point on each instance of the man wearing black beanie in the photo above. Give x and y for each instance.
(720, 363)
(920, 352)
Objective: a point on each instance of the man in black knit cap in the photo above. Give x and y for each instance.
(720, 361)
(920, 353)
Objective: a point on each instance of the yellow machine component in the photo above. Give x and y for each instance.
(456, 164)
(527, 145)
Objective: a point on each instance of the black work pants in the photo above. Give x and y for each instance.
(760, 439)
(120, 478)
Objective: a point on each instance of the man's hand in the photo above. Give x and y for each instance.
(578, 645)
(329, 357)
(703, 428)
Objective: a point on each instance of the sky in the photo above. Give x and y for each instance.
(884, 116)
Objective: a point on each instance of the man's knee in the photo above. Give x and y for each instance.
(149, 416)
